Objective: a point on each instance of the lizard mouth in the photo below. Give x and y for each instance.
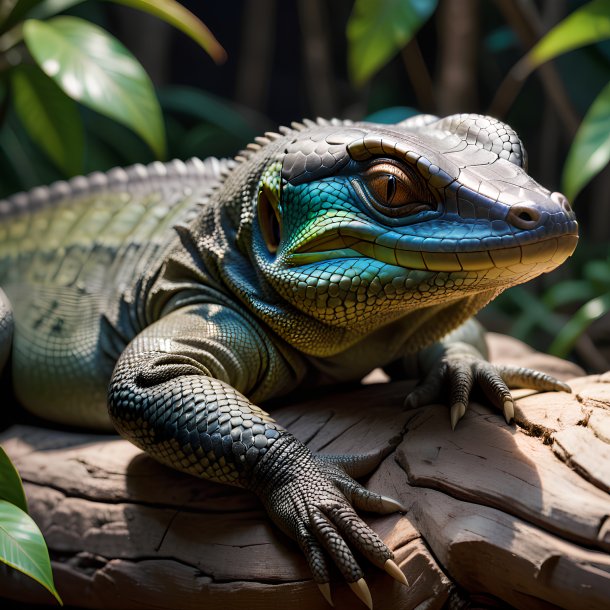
(544, 254)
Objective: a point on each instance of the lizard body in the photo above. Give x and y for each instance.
(169, 301)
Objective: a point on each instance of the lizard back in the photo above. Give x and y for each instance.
(70, 254)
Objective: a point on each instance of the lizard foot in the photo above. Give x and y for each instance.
(312, 499)
(460, 369)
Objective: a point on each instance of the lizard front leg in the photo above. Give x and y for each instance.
(459, 362)
(179, 393)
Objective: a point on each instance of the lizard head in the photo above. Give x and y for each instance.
(358, 223)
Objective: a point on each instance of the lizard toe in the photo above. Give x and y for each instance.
(304, 495)
(495, 388)
(358, 533)
(363, 499)
(426, 392)
(521, 377)
(359, 496)
(314, 555)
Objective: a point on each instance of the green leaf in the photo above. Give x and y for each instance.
(206, 107)
(182, 19)
(169, 11)
(126, 147)
(533, 312)
(26, 163)
(586, 25)
(598, 273)
(11, 488)
(378, 29)
(48, 8)
(22, 546)
(568, 291)
(96, 70)
(51, 119)
(577, 325)
(590, 150)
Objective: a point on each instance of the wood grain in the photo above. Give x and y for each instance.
(495, 512)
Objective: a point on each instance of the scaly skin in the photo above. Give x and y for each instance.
(195, 292)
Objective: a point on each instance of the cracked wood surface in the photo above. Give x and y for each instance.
(519, 513)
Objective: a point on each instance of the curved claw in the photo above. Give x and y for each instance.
(424, 394)
(395, 572)
(361, 589)
(390, 505)
(458, 411)
(315, 505)
(509, 410)
(325, 590)
(461, 366)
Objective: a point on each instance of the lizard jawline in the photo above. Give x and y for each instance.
(545, 254)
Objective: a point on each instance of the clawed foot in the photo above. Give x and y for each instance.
(462, 367)
(312, 499)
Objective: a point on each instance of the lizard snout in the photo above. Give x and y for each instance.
(529, 214)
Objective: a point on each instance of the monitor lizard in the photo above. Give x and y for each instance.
(169, 301)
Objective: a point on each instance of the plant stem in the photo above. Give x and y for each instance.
(419, 76)
(11, 38)
(524, 19)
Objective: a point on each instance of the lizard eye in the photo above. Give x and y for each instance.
(395, 191)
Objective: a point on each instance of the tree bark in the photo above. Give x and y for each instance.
(516, 512)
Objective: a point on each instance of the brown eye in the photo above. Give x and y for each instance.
(396, 192)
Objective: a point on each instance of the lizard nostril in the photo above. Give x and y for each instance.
(561, 200)
(523, 215)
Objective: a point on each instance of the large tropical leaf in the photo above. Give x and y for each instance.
(182, 19)
(22, 546)
(49, 116)
(586, 25)
(11, 488)
(170, 11)
(96, 70)
(590, 150)
(378, 29)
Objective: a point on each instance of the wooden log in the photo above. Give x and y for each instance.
(495, 512)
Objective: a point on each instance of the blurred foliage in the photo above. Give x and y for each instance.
(48, 63)
(378, 29)
(566, 309)
(22, 546)
(587, 299)
(590, 150)
(595, 288)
